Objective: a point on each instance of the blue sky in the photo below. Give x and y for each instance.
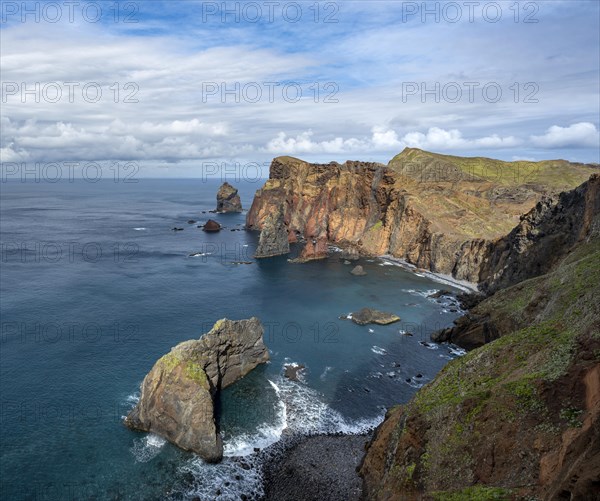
(388, 74)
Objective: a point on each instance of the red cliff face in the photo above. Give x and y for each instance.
(363, 206)
(452, 224)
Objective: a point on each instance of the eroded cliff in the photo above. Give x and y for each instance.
(519, 417)
(437, 212)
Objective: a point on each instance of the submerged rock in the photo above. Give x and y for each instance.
(228, 199)
(177, 394)
(358, 271)
(211, 226)
(273, 239)
(369, 316)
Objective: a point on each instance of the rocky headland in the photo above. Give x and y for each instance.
(441, 213)
(177, 395)
(518, 417)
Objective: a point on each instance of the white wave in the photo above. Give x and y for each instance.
(200, 254)
(378, 350)
(424, 294)
(413, 383)
(300, 410)
(140, 229)
(225, 481)
(147, 448)
(429, 346)
(265, 435)
(325, 372)
(437, 277)
(456, 350)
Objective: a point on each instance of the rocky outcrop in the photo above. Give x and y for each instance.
(369, 316)
(228, 199)
(519, 417)
(176, 400)
(543, 237)
(273, 239)
(443, 223)
(358, 270)
(211, 226)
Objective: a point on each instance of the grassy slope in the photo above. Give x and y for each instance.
(476, 197)
(499, 388)
(555, 174)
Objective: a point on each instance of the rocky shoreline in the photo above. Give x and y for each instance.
(539, 285)
(315, 468)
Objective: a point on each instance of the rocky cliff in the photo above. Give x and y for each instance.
(176, 400)
(273, 239)
(438, 212)
(545, 235)
(519, 417)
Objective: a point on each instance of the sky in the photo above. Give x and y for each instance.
(179, 87)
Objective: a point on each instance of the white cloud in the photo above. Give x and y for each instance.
(384, 139)
(172, 123)
(441, 139)
(579, 135)
(302, 143)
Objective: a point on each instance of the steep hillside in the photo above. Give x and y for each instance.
(517, 418)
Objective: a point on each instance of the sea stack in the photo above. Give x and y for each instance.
(177, 394)
(228, 199)
(273, 239)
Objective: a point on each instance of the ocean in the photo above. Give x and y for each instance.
(96, 286)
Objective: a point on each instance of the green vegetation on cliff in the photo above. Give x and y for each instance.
(553, 174)
(494, 419)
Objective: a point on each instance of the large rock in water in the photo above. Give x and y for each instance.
(369, 316)
(228, 199)
(211, 226)
(177, 394)
(273, 239)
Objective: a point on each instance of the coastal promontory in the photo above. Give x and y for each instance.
(441, 213)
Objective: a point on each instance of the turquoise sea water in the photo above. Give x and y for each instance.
(95, 287)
